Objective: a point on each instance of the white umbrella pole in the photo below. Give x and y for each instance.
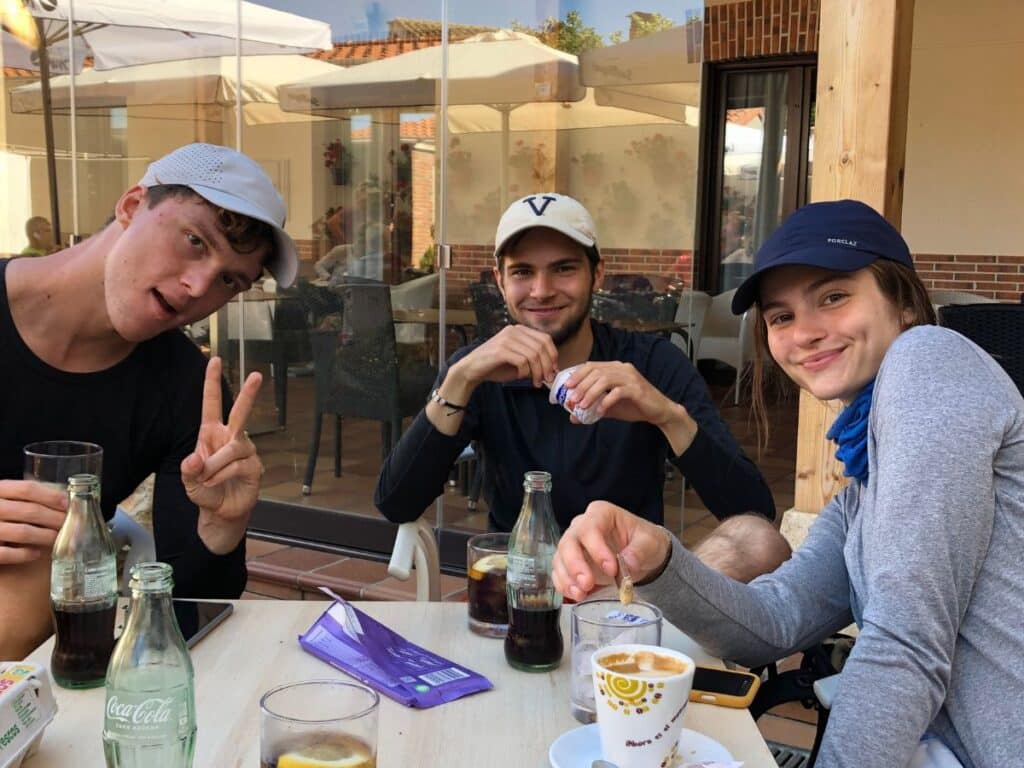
(75, 230)
(51, 150)
(506, 113)
(238, 146)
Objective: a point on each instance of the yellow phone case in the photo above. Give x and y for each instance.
(727, 700)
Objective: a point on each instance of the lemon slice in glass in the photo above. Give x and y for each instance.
(327, 756)
(487, 564)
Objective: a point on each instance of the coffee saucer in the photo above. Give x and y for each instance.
(581, 746)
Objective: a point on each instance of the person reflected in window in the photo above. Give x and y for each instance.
(40, 237)
(655, 406)
(923, 548)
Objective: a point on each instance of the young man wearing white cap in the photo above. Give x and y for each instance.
(90, 336)
(655, 403)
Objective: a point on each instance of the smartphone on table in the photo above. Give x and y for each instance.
(197, 618)
(724, 687)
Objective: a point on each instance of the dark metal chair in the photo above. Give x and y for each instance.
(490, 309)
(996, 328)
(288, 345)
(627, 282)
(614, 306)
(357, 372)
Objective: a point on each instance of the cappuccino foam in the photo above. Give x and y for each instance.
(647, 664)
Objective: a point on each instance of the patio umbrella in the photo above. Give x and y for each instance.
(501, 70)
(658, 74)
(117, 33)
(206, 82)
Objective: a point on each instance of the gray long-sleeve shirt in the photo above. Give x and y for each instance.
(927, 558)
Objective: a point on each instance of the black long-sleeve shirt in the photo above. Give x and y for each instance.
(617, 461)
(144, 412)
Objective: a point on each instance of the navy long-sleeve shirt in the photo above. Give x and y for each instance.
(617, 461)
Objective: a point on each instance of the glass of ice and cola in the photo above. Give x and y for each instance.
(486, 564)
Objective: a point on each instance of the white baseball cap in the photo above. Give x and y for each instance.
(234, 182)
(548, 209)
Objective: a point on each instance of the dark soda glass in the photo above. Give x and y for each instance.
(83, 643)
(534, 639)
(487, 593)
(488, 598)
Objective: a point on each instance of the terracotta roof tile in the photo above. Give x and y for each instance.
(362, 51)
(408, 129)
(19, 72)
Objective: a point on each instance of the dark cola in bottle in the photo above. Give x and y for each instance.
(83, 589)
(534, 639)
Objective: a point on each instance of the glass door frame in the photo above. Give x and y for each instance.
(802, 71)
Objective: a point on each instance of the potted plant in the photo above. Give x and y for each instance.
(338, 161)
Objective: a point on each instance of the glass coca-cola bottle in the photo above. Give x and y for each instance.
(150, 715)
(534, 639)
(83, 589)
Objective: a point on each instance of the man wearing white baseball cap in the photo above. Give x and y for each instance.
(93, 352)
(655, 405)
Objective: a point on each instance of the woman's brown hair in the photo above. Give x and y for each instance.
(898, 283)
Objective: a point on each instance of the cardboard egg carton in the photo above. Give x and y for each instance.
(26, 707)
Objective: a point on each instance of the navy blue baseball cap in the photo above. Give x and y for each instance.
(844, 235)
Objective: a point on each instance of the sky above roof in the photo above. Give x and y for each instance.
(354, 20)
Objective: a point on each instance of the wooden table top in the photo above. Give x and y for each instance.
(256, 649)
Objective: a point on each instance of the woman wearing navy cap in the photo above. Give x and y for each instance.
(924, 549)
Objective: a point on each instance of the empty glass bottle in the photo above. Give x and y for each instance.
(83, 589)
(534, 639)
(150, 715)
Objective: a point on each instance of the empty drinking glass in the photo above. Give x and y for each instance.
(601, 622)
(319, 722)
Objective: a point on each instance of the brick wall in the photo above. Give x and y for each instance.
(422, 202)
(996, 277)
(760, 28)
(469, 260)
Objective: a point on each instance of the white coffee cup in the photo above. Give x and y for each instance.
(641, 693)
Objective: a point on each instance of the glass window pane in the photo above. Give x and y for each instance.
(355, 354)
(752, 173)
(605, 111)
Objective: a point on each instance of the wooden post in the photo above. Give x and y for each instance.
(859, 151)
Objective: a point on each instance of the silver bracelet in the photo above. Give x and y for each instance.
(436, 397)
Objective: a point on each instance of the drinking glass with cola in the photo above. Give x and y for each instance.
(486, 566)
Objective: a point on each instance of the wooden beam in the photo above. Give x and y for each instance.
(859, 151)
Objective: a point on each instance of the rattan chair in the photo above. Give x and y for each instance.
(996, 328)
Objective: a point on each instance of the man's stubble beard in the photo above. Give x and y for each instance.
(563, 335)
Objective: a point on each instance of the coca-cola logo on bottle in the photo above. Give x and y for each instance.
(146, 712)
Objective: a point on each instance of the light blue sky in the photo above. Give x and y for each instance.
(362, 19)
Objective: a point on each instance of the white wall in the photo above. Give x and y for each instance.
(965, 134)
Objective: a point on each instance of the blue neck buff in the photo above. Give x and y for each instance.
(850, 432)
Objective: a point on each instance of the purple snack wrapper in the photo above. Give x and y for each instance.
(349, 640)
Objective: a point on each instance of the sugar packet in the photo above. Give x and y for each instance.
(349, 640)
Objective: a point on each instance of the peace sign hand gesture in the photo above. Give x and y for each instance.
(222, 476)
